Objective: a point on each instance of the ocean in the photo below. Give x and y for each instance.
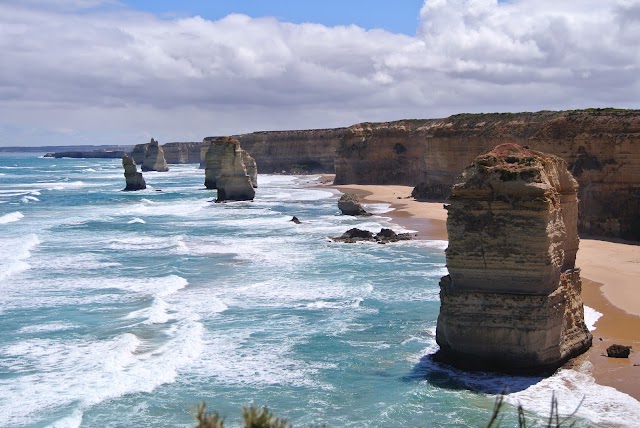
(129, 308)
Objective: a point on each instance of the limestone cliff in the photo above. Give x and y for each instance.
(512, 296)
(381, 153)
(133, 178)
(154, 158)
(601, 148)
(182, 153)
(295, 152)
(225, 169)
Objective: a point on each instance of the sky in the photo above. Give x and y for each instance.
(123, 71)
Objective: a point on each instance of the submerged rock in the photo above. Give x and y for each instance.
(349, 204)
(618, 351)
(133, 178)
(154, 158)
(226, 171)
(512, 299)
(295, 220)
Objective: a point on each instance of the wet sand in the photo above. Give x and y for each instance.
(610, 273)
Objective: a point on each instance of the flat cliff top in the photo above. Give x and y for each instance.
(552, 124)
(511, 161)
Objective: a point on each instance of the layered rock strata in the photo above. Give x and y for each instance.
(294, 152)
(154, 158)
(512, 297)
(182, 152)
(225, 170)
(600, 146)
(133, 178)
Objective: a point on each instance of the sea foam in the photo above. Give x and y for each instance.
(14, 252)
(11, 217)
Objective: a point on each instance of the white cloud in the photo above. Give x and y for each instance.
(118, 73)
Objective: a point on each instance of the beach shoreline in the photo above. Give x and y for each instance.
(609, 272)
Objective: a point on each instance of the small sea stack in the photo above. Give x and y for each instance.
(225, 170)
(133, 178)
(154, 158)
(512, 298)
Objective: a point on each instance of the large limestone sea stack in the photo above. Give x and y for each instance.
(133, 178)
(512, 297)
(226, 171)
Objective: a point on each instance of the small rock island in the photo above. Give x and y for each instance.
(512, 298)
(133, 178)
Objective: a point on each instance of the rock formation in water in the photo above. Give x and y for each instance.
(512, 297)
(349, 204)
(383, 237)
(133, 178)
(601, 148)
(139, 152)
(293, 152)
(251, 166)
(226, 171)
(154, 158)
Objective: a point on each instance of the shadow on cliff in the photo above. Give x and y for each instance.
(447, 377)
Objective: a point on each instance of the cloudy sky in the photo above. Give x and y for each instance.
(121, 71)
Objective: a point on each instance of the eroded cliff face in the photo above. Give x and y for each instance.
(381, 153)
(295, 152)
(601, 149)
(182, 153)
(512, 296)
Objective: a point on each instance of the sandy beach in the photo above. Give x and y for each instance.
(610, 273)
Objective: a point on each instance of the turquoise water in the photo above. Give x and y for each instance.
(128, 309)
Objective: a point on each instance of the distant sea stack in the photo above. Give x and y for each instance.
(226, 171)
(154, 158)
(512, 298)
(133, 178)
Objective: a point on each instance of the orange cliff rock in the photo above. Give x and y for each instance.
(512, 298)
(600, 146)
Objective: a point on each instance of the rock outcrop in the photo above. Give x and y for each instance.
(226, 171)
(154, 158)
(618, 351)
(349, 204)
(251, 166)
(139, 152)
(383, 237)
(294, 152)
(512, 297)
(600, 146)
(133, 178)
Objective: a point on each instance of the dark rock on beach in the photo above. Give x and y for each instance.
(618, 351)
(349, 204)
